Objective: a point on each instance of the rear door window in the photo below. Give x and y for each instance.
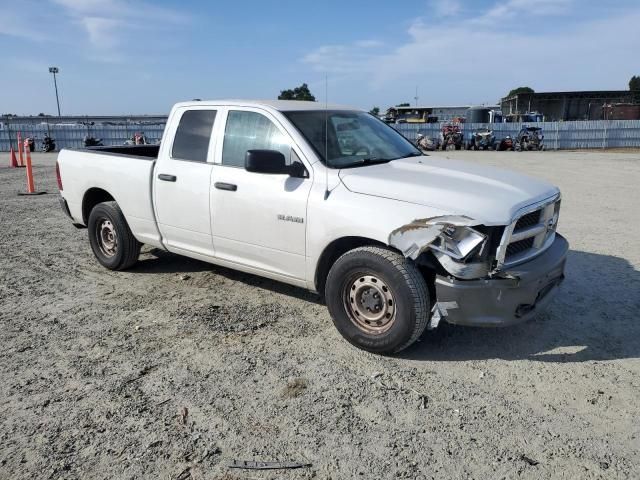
(193, 135)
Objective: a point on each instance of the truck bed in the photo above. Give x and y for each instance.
(123, 172)
(146, 151)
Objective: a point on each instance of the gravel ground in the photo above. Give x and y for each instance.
(176, 367)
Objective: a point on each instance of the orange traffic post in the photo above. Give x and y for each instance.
(31, 190)
(13, 162)
(20, 149)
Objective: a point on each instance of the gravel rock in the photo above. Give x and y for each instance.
(228, 365)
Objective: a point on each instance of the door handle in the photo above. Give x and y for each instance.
(167, 178)
(226, 186)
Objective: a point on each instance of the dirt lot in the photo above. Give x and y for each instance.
(174, 368)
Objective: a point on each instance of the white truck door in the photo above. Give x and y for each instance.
(182, 181)
(259, 220)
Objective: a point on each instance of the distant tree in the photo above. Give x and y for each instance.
(406, 104)
(299, 93)
(375, 111)
(42, 114)
(519, 90)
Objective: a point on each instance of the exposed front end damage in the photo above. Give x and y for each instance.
(506, 299)
(475, 287)
(458, 247)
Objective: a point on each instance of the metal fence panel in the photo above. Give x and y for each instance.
(557, 135)
(72, 135)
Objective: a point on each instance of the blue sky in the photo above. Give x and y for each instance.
(127, 57)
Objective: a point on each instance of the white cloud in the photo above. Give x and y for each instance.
(15, 23)
(446, 8)
(88, 6)
(472, 61)
(512, 9)
(109, 24)
(103, 32)
(369, 43)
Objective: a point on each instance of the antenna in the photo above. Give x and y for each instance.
(326, 136)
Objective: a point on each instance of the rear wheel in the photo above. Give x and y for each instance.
(110, 237)
(378, 299)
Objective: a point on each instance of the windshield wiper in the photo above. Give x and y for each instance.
(367, 161)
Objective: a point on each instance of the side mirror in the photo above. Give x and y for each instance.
(272, 162)
(265, 161)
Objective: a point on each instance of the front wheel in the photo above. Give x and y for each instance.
(378, 299)
(110, 237)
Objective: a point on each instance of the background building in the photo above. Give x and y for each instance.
(564, 105)
(428, 114)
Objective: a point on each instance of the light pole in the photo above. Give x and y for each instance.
(55, 70)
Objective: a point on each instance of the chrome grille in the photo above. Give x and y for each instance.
(530, 233)
(528, 220)
(519, 246)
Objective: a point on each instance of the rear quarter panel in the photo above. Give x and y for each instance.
(126, 178)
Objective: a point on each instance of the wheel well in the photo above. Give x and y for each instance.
(92, 197)
(335, 250)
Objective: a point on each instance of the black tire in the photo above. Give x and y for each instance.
(107, 219)
(406, 285)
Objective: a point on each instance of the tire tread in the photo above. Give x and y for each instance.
(415, 281)
(129, 244)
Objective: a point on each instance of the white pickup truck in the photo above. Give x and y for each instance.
(330, 199)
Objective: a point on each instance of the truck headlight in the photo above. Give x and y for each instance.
(458, 242)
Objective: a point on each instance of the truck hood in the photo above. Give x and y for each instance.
(489, 195)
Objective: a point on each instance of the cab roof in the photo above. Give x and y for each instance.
(279, 105)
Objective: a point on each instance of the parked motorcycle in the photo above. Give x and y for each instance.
(30, 143)
(451, 137)
(138, 138)
(425, 143)
(481, 139)
(529, 138)
(505, 144)
(91, 141)
(48, 144)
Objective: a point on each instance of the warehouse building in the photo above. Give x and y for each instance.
(564, 105)
(428, 114)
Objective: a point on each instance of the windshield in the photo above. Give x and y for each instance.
(344, 139)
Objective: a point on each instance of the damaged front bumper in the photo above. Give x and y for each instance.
(513, 297)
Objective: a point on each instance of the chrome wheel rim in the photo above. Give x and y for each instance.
(370, 303)
(107, 238)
